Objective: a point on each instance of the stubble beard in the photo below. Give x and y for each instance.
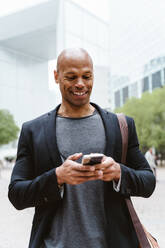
(77, 104)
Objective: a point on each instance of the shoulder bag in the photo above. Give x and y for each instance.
(146, 240)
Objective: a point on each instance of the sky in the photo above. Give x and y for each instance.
(136, 29)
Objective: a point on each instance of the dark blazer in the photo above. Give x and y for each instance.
(34, 183)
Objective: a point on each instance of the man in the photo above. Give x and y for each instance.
(78, 205)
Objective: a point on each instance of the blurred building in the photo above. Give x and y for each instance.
(152, 77)
(33, 36)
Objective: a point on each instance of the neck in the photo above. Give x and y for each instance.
(76, 111)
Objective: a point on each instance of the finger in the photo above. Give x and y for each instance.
(110, 170)
(104, 158)
(81, 167)
(98, 175)
(101, 166)
(108, 161)
(108, 177)
(87, 173)
(75, 156)
(90, 178)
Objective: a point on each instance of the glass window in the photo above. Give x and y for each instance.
(98, 8)
(156, 80)
(145, 86)
(96, 31)
(117, 99)
(103, 35)
(73, 19)
(104, 57)
(125, 94)
(90, 29)
(93, 51)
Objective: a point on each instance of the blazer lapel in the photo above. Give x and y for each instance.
(109, 122)
(50, 133)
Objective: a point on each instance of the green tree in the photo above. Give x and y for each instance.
(8, 128)
(149, 115)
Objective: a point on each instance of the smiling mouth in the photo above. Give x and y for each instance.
(79, 93)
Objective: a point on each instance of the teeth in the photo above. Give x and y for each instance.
(79, 93)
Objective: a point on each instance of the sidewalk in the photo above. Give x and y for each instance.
(16, 225)
(151, 211)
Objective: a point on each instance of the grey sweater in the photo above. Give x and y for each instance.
(79, 221)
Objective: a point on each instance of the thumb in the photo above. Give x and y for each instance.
(75, 156)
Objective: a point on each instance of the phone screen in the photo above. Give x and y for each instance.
(92, 159)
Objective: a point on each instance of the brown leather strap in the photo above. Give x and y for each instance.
(124, 135)
(143, 241)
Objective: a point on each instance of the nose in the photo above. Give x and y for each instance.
(79, 84)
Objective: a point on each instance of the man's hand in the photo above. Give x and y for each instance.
(111, 169)
(71, 172)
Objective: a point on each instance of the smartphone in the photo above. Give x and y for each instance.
(92, 159)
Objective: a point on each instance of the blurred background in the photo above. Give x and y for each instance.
(126, 40)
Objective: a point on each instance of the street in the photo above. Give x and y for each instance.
(15, 225)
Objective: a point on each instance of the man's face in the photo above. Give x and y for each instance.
(75, 78)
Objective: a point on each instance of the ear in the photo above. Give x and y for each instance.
(56, 76)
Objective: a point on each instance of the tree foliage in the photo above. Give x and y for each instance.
(8, 128)
(149, 115)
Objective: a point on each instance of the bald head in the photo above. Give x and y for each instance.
(74, 76)
(68, 56)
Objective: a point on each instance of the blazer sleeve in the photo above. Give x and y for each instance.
(26, 190)
(137, 178)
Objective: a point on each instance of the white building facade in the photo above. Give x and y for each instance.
(32, 37)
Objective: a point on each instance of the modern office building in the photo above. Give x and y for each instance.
(30, 38)
(152, 77)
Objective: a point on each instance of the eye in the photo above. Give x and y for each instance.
(71, 78)
(87, 77)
